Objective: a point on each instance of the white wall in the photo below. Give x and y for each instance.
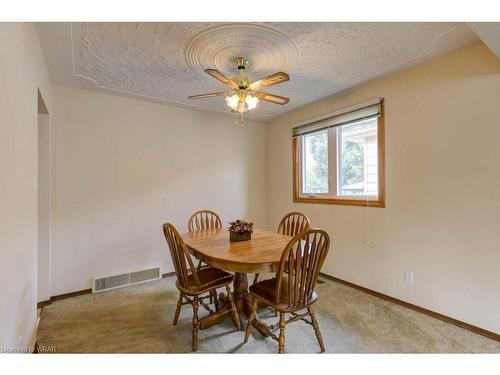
(123, 167)
(441, 219)
(22, 70)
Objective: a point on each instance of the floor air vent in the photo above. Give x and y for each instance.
(118, 281)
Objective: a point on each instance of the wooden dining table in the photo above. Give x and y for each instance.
(260, 254)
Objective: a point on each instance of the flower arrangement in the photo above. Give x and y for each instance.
(240, 226)
(240, 230)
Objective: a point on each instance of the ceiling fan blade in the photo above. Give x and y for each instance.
(222, 78)
(273, 98)
(273, 79)
(210, 95)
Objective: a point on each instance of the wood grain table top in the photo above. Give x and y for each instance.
(260, 254)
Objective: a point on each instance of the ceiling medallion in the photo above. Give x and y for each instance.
(218, 47)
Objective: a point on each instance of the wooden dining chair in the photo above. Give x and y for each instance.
(292, 290)
(205, 220)
(192, 282)
(292, 224)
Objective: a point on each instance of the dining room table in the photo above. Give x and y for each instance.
(261, 254)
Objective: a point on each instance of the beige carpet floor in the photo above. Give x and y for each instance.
(138, 319)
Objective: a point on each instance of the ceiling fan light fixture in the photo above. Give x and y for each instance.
(232, 101)
(251, 101)
(241, 101)
(242, 108)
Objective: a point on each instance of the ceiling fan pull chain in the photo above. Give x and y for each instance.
(242, 122)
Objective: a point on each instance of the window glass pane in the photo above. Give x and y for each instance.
(315, 163)
(358, 160)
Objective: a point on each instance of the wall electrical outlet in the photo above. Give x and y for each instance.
(409, 277)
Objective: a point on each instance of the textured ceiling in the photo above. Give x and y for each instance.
(165, 61)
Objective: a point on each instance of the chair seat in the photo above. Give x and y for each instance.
(265, 290)
(210, 278)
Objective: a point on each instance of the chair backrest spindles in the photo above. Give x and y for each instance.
(294, 223)
(203, 220)
(301, 263)
(181, 258)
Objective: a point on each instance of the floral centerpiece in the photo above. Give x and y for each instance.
(240, 230)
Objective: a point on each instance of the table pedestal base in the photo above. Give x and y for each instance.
(216, 317)
(243, 302)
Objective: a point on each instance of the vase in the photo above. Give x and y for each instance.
(238, 237)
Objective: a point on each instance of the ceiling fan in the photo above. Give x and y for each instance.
(245, 94)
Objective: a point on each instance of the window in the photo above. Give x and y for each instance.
(340, 159)
(315, 162)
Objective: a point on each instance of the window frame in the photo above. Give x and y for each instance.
(322, 198)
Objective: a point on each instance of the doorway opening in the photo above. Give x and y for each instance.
(44, 201)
